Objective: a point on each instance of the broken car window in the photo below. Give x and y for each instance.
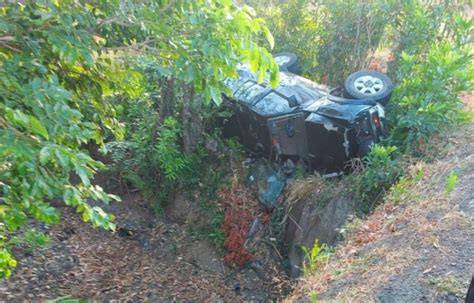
(272, 104)
(248, 91)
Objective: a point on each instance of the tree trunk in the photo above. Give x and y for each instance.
(165, 104)
(191, 119)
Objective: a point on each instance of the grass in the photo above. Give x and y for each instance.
(69, 299)
(449, 284)
(451, 182)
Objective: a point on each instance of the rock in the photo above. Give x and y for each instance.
(311, 220)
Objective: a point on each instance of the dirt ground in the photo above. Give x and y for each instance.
(151, 258)
(82, 262)
(416, 247)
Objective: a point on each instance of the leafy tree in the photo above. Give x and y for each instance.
(431, 71)
(331, 37)
(62, 63)
(297, 26)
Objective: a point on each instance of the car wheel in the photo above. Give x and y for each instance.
(287, 62)
(369, 84)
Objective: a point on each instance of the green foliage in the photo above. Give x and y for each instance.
(314, 257)
(295, 28)
(65, 73)
(216, 233)
(234, 147)
(418, 26)
(331, 38)
(401, 190)
(34, 239)
(171, 160)
(451, 182)
(277, 228)
(449, 284)
(426, 101)
(353, 31)
(433, 65)
(313, 296)
(51, 91)
(6, 263)
(213, 180)
(382, 169)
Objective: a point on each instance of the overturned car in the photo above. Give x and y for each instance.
(302, 120)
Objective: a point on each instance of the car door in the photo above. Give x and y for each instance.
(288, 135)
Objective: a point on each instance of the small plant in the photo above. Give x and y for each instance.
(314, 257)
(34, 240)
(237, 220)
(6, 263)
(451, 182)
(170, 158)
(234, 147)
(217, 236)
(313, 296)
(420, 172)
(382, 169)
(352, 225)
(450, 285)
(399, 190)
(216, 233)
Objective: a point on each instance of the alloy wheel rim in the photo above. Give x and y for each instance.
(368, 85)
(282, 60)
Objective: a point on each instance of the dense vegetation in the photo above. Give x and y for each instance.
(143, 80)
(66, 68)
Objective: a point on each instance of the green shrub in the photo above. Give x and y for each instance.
(426, 100)
(296, 28)
(353, 30)
(6, 263)
(170, 158)
(331, 37)
(433, 64)
(382, 169)
(419, 25)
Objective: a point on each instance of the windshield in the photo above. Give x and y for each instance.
(272, 104)
(248, 91)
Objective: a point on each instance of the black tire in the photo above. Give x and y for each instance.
(288, 62)
(369, 84)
